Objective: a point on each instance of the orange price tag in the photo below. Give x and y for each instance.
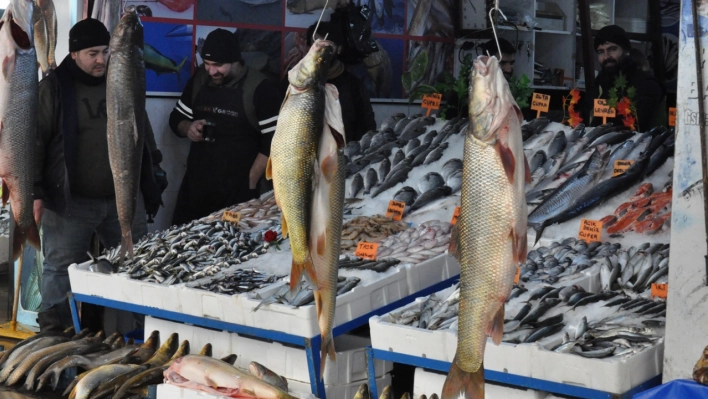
(367, 250)
(602, 110)
(621, 166)
(431, 102)
(539, 103)
(455, 216)
(395, 209)
(590, 230)
(659, 290)
(672, 116)
(517, 276)
(231, 216)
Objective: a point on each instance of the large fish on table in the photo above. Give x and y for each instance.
(326, 223)
(18, 119)
(125, 104)
(489, 239)
(294, 151)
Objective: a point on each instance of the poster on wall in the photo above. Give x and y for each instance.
(437, 58)
(431, 18)
(303, 13)
(389, 16)
(251, 12)
(173, 9)
(382, 69)
(168, 55)
(260, 49)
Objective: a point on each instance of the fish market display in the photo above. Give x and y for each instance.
(490, 235)
(189, 252)
(646, 212)
(368, 228)
(125, 105)
(255, 212)
(419, 244)
(18, 116)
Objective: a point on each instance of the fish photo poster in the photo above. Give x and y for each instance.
(389, 16)
(380, 70)
(303, 13)
(168, 55)
(437, 57)
(251, 12)
(431, 18)
(173, 9)
(260, 49)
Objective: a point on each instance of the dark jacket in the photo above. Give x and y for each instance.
(648, 99)
(57, 146)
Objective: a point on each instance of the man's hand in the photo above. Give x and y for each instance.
(38, 211)
(192, 130)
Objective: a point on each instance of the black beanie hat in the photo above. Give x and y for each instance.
(88, 33)
(221, 46)
(613, 34)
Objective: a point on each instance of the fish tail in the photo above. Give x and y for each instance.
(296, 273)
(539, 231)
(327, 347)
(126, 245)
(460, 384)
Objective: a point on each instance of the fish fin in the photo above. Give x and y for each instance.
(460, 384)
(18, 241)
(329, 167)
(296, 273)
(508, 160)
(454, 242)
(5, 193)
(527, 169)
(321, 244)
(284, 227)
(520, 245)
(338, 137)
(539, 231)
(327, 349)
(8, 66)
(495, 329)
(318, 302)
(269, 170)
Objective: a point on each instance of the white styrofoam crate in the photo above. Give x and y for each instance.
(616, 375)
(431, 272)
(346, 391)
(429, 382)
(302, 321)
(287, 361)
(167, 391)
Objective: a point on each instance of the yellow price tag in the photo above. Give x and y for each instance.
(590, 230)
(231, 216)
(540, 103)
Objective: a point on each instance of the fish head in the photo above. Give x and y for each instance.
(312, 70)
(490, 100)
(129, 31)
(257, 369)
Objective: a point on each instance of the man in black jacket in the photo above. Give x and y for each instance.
(613, 53)
(74, 192)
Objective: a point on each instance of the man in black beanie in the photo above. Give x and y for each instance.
(74, 193)
(229, 112)
(613, 53)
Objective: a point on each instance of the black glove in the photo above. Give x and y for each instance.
(160, 177)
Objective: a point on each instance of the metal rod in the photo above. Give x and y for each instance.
(320, 20)
(701, 119)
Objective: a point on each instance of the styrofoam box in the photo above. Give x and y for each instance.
(429, 382)
(302, 321)
(431, 272)
(288, 361)
(340, 391)
(167, 391)
(613, 374)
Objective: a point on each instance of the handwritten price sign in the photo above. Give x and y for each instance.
(672, 116)
(367, 250)
(455, 216)
(395, 209)
(431, 102)
(659, 290)
(590, 230)
(602, 110)
(231, 216)
(621, 166)
(539, 103)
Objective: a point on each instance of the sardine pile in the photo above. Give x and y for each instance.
(646, 212)
(636, 269)
(419, 244)
(435, 312)
(4, 221)
(356, 263)
(238, 281)
(370, 229)
(304, 295)
(190, 251)
(254, 212)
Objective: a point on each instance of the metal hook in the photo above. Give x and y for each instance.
(318, 22)
(494, 25)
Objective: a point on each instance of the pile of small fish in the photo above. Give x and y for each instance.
(4, 221)
(387, 393)
(356, 263)
(254, 212)
(370, 229)
(432, 187)
(190, 251)
(646, 212)
(303, 294)
(238, 281)
(572, 173)
(566, 258)
(636, 269)
(419, 244)
(435, 312)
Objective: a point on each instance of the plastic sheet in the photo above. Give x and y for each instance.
(677, 389)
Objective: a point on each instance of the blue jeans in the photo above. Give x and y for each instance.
(66, 239)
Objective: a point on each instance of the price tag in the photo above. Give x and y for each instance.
(431, 102)
(539, 103)
(602, 110)
(455, 216)
(590, 230)
(659, 290)
(231, 216)
(367, 250)
(672, 116)
(517, 276)
(621, 166)
(395, 209)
